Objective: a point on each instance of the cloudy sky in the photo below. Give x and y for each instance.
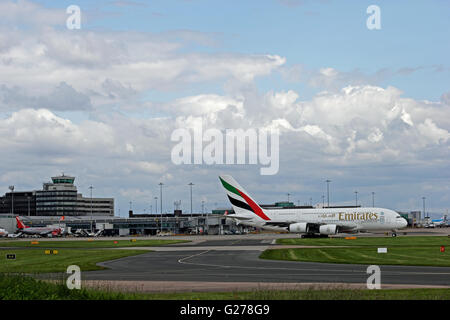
(367, 109)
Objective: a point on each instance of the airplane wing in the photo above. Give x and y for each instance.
(15, 235)
(312, 225)
(279, 223)
(237, 217)
(346, 228)
(98, 233)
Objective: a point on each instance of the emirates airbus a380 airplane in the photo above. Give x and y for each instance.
(320, 221)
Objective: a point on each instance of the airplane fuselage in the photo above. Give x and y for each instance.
(351, 219)
(40, 231)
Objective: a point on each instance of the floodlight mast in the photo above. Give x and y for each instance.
(328, 192)
(191, 184)
(91, 187)
(12, 199)
(160, 199)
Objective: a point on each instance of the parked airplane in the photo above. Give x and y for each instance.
(439, 222)
(40, 231)
(323, 221)
(3, 233)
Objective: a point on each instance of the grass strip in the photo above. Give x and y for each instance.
(416, 241)
(87, 243)
(407, 256)
(27, 288)
(36, 261)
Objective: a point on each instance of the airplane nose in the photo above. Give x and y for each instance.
(403, 223)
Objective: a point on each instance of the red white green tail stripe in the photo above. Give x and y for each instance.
(239, 199)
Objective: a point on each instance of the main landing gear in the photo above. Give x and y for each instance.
(312, 235)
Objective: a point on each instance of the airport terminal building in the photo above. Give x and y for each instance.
(135, 225)
(60, 197)
(57, 198)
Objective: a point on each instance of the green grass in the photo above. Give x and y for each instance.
(36, 261)
(420, 256)
(413, 251)
(88, 243)
(416, 241)
(27, 288)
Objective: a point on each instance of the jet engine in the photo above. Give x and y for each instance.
(299, 227)
(328, 229)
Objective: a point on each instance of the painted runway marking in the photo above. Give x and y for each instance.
(194, 255)
(341, 272)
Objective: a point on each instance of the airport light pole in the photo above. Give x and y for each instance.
(288, 196)
(160, 196)
(28, 198)
(91, 206)
(160, 201)
(191, 184)
(156, 207)
(328, 192)
(323, 200)
(12, 199)
(423, 200)
(206, 219)
(373, 199)
(356, 198)
(203, 210)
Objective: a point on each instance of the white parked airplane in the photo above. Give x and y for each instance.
(3, 233)
(323, 221)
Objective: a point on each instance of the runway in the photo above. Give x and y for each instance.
(237, 261)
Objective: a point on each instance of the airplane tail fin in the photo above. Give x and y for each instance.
(240, 200)
(20, 224)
